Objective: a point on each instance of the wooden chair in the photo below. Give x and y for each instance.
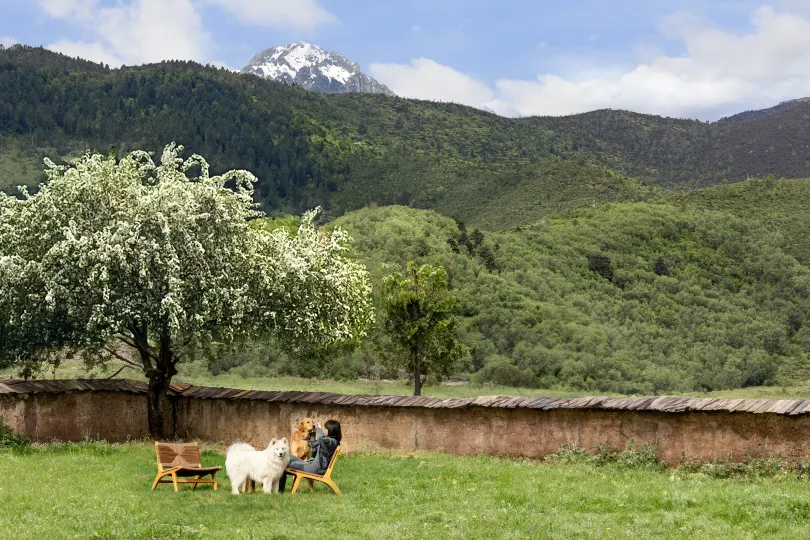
(179, 461)
(326, 478)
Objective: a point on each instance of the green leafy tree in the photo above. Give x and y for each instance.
(141, 263)
(661, 267)
(419, 317)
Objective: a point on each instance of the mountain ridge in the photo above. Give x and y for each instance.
(345, 151)
(756, 114)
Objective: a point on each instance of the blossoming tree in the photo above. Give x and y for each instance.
(147, 263)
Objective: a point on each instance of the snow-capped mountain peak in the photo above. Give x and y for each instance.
(313, 68)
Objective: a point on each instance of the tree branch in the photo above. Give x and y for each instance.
(119, 371)
(135, 346)
(122, 358)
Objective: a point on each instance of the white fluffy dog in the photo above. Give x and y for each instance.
(242, 461)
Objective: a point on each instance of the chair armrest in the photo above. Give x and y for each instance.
(298, 472)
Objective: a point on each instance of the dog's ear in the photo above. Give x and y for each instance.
(284, 440)
(273, 441)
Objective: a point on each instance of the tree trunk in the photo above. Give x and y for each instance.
(157, 398)
(417, 372)
(160, 377)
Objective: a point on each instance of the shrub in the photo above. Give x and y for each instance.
(573, 453)
(9, 439)
(606, 454)
(646, 458)
(601, 264)
(751, 467)
(501, 371)
(774, 466)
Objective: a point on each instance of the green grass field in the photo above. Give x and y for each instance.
(96, 490)
(197, 374)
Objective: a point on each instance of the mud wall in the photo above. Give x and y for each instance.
(514, 432)
(475, 430)
(113, 416)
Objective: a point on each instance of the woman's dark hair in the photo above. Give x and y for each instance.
(333, 429)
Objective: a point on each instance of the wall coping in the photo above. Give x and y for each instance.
(664, 404)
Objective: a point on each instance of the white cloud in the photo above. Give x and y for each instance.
(143, 31)
(722, 71)
(69, 9)
(137, 32)
(795, 5)
(7, 41)
(298, 14)
(425, 79)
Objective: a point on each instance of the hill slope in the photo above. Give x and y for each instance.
(616, 297)
(782, 206)
(745, 116)
(630, 298)
(345, 151)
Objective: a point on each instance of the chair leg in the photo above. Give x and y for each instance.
(214, 478)
(295, 484)
(311, 485)
(155, 483)
(194, 485)
(174, 481)
(333, 486)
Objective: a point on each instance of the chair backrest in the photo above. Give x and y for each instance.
(328, 472)
(177, 455)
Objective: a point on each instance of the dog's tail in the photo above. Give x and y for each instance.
(239, 447)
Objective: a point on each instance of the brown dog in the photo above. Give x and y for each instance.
(299, 444)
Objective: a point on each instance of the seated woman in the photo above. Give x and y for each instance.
(323, 441)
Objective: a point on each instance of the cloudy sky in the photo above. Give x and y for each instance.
(691, 58)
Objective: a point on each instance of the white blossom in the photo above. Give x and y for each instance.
(106, 246)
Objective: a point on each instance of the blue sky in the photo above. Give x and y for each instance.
(692, 58)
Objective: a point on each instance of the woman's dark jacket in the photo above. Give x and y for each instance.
(323, 448)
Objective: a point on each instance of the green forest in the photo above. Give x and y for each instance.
(609, 251)
(628, 298)
(346, 151)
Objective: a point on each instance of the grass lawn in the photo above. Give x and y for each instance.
(101, 491)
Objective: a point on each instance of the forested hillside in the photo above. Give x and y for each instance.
(781, 205)
(575, 263)
(346, 151)
(630, 298)
(745, 116)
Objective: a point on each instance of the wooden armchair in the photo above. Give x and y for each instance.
(326, 478)
(177, 462)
